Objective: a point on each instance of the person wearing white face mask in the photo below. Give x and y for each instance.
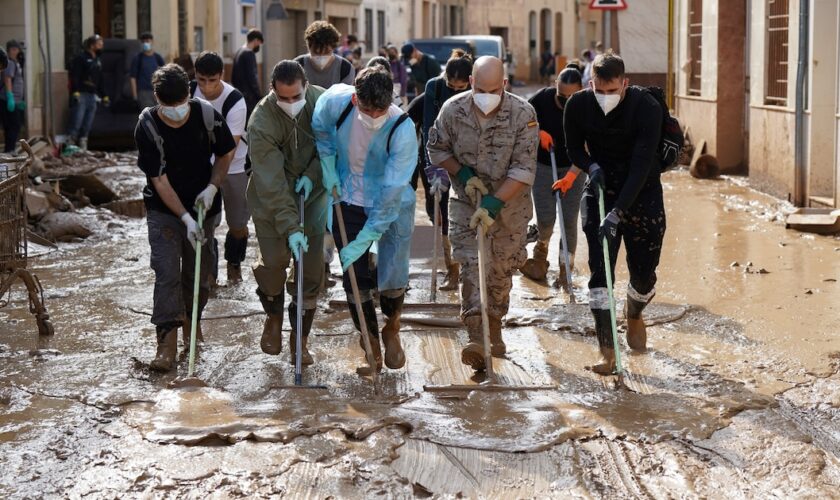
(323, 67)
(230, 103)
(486, 139)
(368, 151)
(613, 132)
(175, 142)
(284, 165)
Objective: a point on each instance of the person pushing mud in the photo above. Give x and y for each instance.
(368, 151)
(285, 165)
(487, 139)
(613, 132)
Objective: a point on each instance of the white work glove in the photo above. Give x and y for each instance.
(194, 233)
(206, 197)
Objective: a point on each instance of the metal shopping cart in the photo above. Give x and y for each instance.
(13, 245)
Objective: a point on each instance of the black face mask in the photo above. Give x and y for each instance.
(256, 49)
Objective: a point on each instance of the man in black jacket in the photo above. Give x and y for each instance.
(424, 67)
(613, 132)
(86, 90)
(244, 76)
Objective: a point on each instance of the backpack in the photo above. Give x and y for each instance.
(343, 72)
(672, 139)
(230, 101)
(347, 110)
(208, 115)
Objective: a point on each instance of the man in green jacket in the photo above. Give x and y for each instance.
(285, 164)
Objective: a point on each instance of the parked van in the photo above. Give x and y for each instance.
(486, 45)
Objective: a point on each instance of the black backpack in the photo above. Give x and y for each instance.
(673, 139)
(347, 110)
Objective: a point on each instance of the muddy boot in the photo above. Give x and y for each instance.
(234, 274)
(308, 317)
(392, 309)
(373, 334)
(236, 244)
(603, 328)
(167, 349)
(185, 333)
(271, 341)
(497, 345)
(473, 353)
(536, 267)
(636, 330)
(453, 269)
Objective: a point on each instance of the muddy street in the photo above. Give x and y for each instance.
(738, 396)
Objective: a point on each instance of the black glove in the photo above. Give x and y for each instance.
(609, 226)
(596, 175)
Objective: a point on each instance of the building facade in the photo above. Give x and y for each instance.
(738, 89)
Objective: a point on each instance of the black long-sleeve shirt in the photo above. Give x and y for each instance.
(550, 118)
(623, 143)
(244, 76)
(86, 74)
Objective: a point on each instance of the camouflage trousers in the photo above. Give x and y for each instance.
(506, 253)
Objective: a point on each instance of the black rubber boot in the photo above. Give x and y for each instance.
(373, 334)
(603, 328)
(271, 341)
(308, 318)
(392, 309)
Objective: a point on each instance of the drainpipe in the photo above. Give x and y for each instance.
(800, 169)
(669, 76)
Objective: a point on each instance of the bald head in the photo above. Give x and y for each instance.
(488, 75)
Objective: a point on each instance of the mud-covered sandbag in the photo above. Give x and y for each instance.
(63, 226)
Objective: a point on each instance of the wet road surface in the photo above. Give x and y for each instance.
(738, 396)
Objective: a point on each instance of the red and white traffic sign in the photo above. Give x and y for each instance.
(608, 4)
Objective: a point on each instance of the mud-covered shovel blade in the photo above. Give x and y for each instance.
(186, 383)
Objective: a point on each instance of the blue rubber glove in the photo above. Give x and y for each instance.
(330, 175)
(298, 243)
(10, 102)
(438, 178)
(304, 183)
(357, 247)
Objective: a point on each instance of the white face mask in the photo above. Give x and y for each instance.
(487, 102)
(371, 123)
(321, 62)
(292, 108)
(176, 113)
(608, 102)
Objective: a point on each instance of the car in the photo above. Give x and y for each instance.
(440, 49)
(486, 45)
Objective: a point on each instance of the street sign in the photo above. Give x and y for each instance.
(608, 4)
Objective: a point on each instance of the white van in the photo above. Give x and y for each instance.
(486, 45)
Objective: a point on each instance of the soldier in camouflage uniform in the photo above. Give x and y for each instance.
(487, 141)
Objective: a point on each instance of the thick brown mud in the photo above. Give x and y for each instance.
(737, 396)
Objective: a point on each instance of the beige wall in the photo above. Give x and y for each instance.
(772, 151)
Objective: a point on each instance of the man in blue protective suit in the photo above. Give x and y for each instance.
(368, 152)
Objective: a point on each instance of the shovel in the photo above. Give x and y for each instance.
(191, 380)
(569, 286)
(357, 298)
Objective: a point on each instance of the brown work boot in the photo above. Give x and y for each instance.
(234, 274)
(636, 330)
(271, 341)
(536, 267)
(392, 309)
(373, 335)
(603, 329)
(497, 345)
(473, 352)
(167, 349)
(453, 269)
(185, 332)
(308, 317)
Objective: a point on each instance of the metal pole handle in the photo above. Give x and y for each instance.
(482, 290)
(196, 285)
(299, 312)
(436, 245)
(562, 222)
(608, 272)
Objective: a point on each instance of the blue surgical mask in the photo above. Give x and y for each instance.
(147, 46)
(176, 113)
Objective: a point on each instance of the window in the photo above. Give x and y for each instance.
(434, 20)
(249, 16)
(778, 21)
(695, 46)
(380, 27)
(369, 30)
(198, 39)
(453, 20)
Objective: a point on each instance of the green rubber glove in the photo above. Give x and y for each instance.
(10, 102)
(21, 105)
(305, 184)
(330, 175)
(357, 247)
(298, 243)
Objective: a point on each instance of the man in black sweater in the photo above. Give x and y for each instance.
(244, 72)
(612, 132)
